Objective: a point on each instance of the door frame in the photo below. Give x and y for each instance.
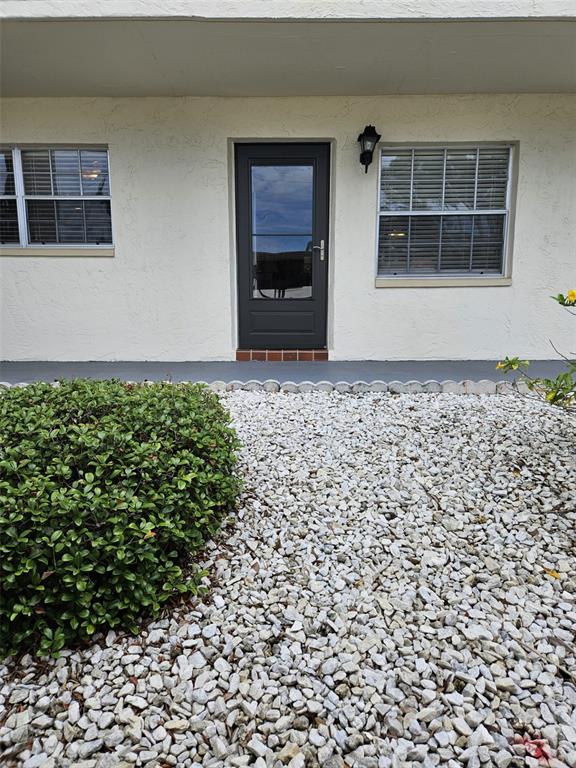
(232, 143)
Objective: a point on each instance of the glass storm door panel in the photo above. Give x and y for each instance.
(282, 229)
(282, 203)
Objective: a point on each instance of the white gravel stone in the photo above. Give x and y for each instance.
(156, 682)
(87, 748)
(396, 590)
(257, 747)
(330, 666)
(179, 725)
(477, 632)
(197, 660)
(137, 701)
(480, 737)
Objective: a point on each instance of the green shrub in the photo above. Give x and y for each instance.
(106, 489)
(560, 391)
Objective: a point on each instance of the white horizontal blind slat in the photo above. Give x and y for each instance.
(37, 172)
(428, 179)
(492, 178)
(460, 179)
(395, 184)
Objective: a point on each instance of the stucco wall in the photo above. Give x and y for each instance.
(288, 9)
(168, 294)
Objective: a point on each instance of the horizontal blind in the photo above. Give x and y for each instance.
(460, 180)
(67, 196)
(427, 244)
(396, 181)
(36, 172)
(69, 222)
(492, 181)
(427, 179)
(443, 210)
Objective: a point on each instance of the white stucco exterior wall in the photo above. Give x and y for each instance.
(288, 9)
(169, 292)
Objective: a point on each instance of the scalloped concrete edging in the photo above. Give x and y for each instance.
(482, 387)
(467, 387)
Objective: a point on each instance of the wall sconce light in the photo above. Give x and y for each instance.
(368, 140)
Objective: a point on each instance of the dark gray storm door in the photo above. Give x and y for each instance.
(282, 244)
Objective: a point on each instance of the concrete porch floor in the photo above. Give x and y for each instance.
(332, 371)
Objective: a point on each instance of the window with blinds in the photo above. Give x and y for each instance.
(55, 196)
(443, 211)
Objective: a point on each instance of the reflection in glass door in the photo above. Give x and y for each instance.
(282, 214)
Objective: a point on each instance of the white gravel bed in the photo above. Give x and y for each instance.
(397, 590)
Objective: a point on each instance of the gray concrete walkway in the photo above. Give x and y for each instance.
(333, 371)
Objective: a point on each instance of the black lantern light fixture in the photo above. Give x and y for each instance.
(368, 140)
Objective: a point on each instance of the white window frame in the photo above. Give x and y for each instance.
(25, 247)
(453, 279)
(14, 197)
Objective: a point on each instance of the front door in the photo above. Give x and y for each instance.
(282, 229)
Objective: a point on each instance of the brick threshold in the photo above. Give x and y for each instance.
(281, 355)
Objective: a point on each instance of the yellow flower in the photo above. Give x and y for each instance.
(571, 297)
(500, 365)
(149, 535)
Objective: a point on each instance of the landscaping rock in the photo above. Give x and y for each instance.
(394, 589)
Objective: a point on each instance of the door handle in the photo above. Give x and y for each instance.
(320, 248)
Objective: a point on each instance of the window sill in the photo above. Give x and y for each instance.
(442, 282)
(48, 250)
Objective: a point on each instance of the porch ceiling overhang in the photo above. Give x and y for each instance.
(199, 57)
